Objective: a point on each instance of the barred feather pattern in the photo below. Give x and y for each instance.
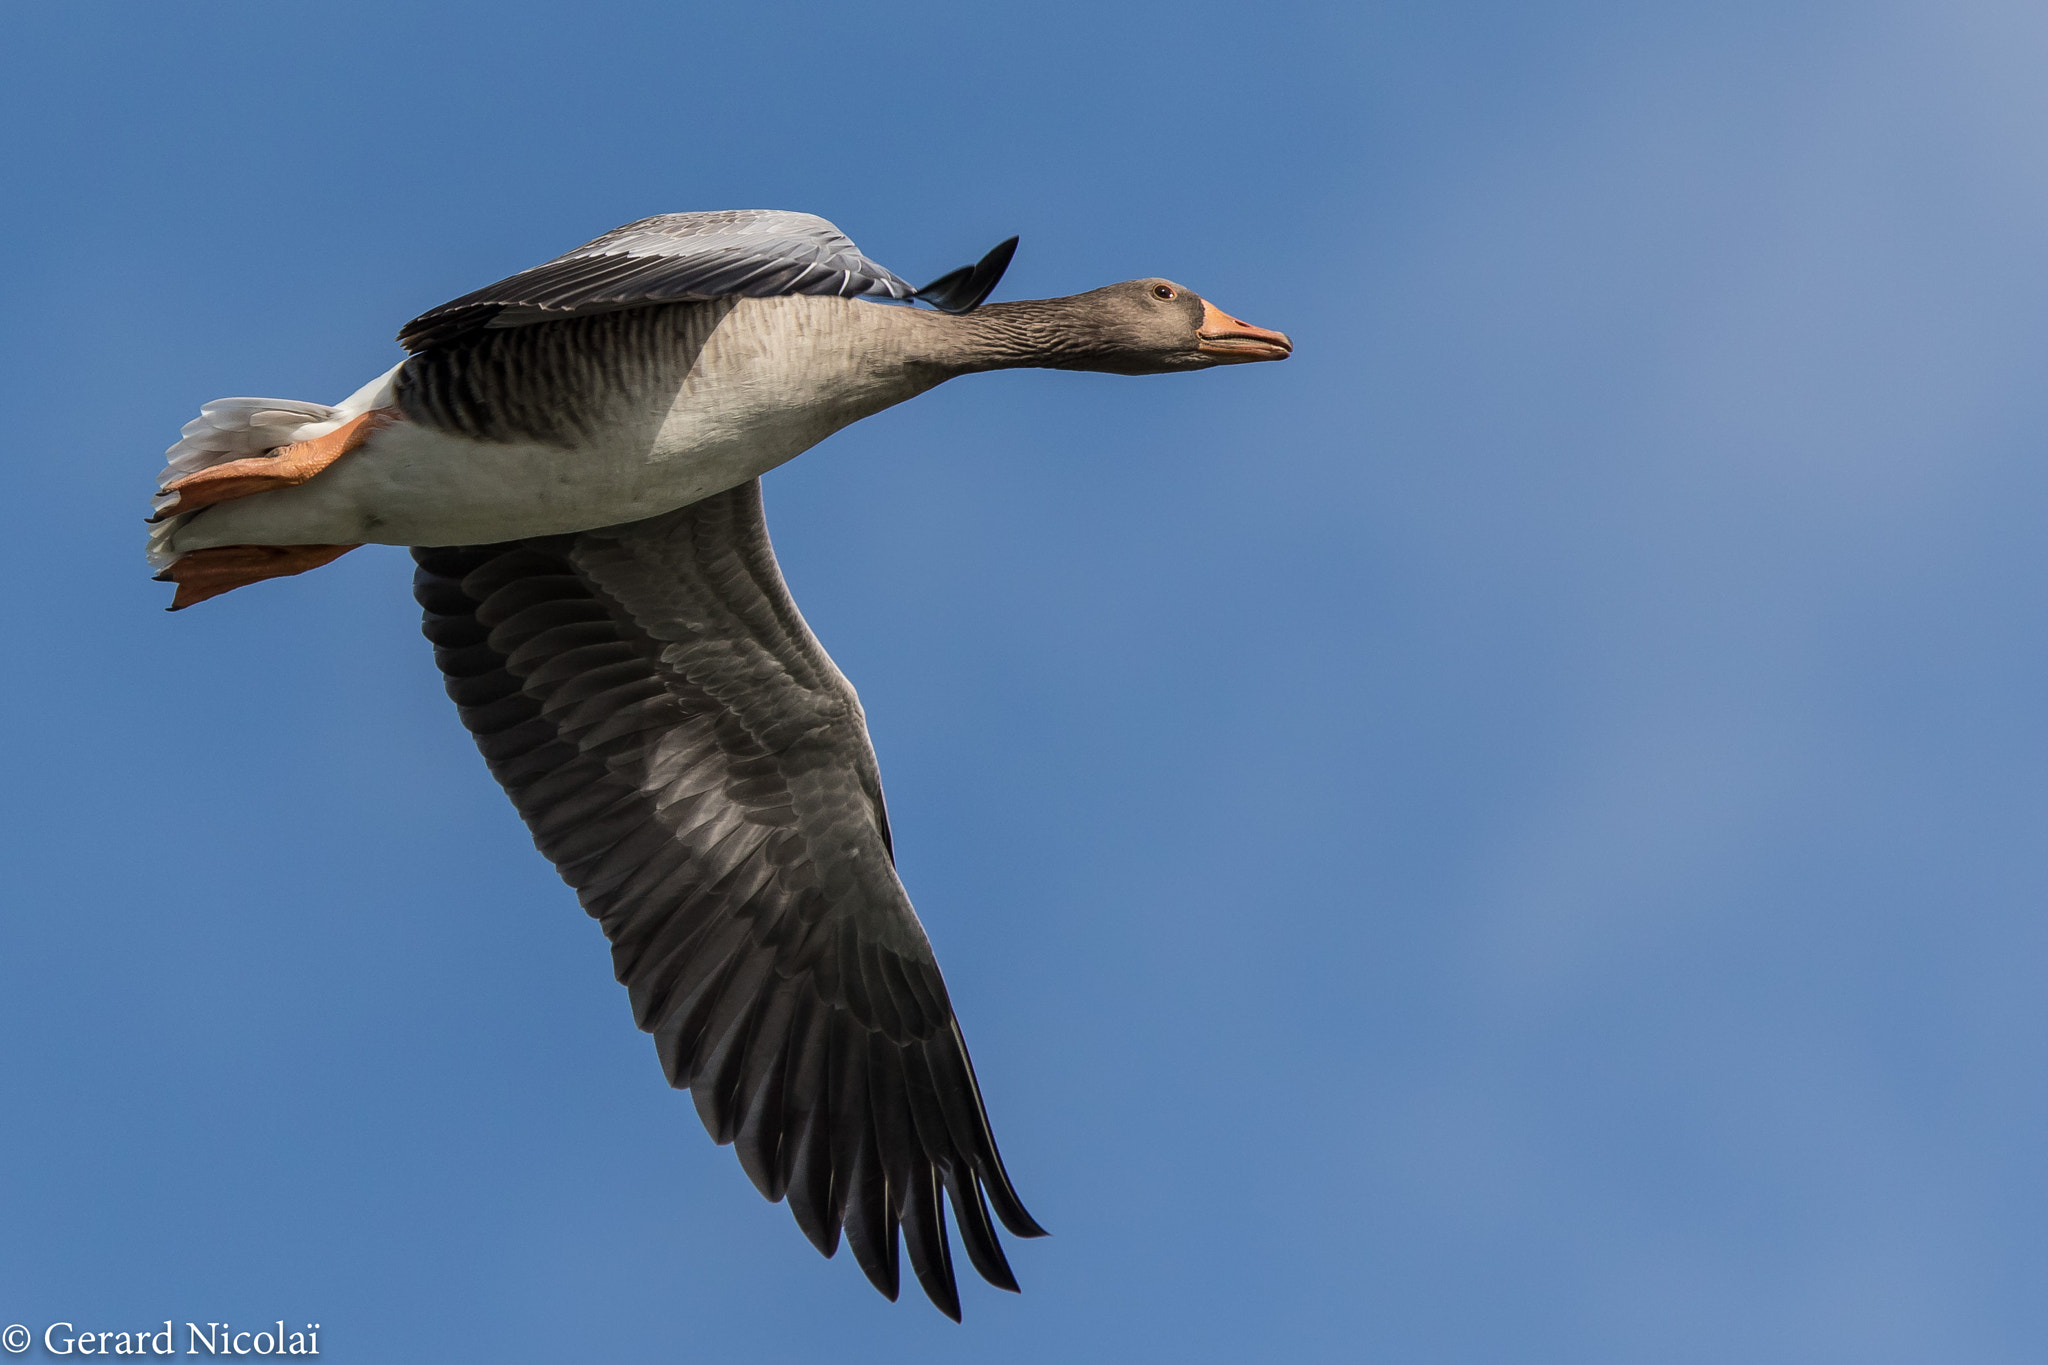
(564, 384)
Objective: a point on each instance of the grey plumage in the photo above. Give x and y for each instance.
(565, 384)
(694, 764)
(750, 253)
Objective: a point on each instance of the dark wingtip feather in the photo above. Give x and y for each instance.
(961, 1094)
(1010, 1209)
(810, 1194)
(962, 290)
(859, 1188)
(759, 1094)
(805, 1161)
(924, 1236)
(871, 1227)
(977, 1233)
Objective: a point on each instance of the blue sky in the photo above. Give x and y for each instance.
(1515, 835)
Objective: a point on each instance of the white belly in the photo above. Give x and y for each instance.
(775, 377)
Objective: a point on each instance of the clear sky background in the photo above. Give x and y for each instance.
(1519, 834)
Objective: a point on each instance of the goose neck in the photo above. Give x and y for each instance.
(1029, 334)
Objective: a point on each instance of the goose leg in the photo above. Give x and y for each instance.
(283, 467)
(211, 572)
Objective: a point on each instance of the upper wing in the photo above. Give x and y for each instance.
(675, 256)
(695, 766)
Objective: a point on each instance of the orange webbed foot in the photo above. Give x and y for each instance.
(223, 568)
(284, 467)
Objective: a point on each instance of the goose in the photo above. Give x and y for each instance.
(574, 455)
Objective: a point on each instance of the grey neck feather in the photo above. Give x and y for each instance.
(1051, 334)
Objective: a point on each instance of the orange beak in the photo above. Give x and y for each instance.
(1233, 341)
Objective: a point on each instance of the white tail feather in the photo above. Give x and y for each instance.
(237, 428)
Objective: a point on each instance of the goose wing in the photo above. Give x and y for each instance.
(697, 768)
(665, 259)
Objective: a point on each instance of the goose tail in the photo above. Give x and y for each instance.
(237, 428)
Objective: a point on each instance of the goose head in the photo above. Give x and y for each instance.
(1157, 327)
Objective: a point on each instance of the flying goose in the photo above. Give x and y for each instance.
(575, 455)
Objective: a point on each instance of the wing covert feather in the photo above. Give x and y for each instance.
(667, 259)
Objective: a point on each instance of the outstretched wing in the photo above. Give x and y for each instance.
(698, 769)
(665, 259)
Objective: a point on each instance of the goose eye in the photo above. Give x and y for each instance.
(1163, 291)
